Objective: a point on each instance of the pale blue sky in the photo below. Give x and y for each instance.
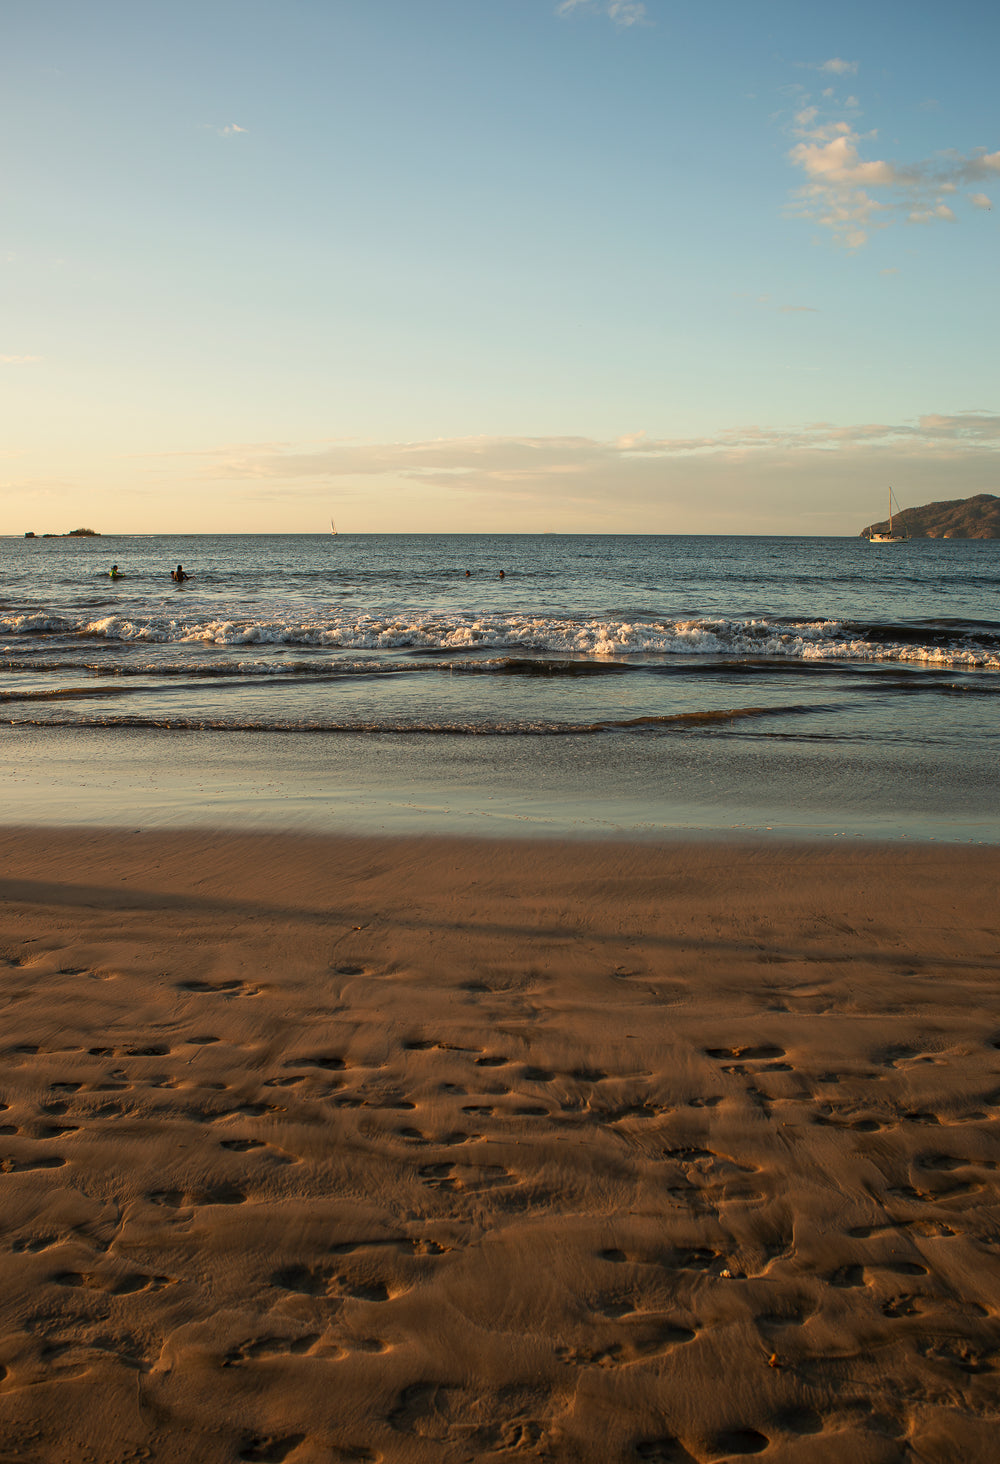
(496, 264)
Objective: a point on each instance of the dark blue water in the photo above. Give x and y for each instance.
(692, 636)
(632, 685)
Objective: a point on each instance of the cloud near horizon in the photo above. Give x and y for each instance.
(819, 477)
(852, 195)
(708, 479)
(972, 432)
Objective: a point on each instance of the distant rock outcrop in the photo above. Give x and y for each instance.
(958, 518)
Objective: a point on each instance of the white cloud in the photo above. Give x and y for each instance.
(851, 194)
(748, 479)
(928, 215)
(839, 67)
(980, 200)
(230, 130)
(19, 360)
(479, 462)
(622, 12)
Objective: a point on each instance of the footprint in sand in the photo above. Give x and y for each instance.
(428, 1044)
(638, 1108)
(737, 1441)
(445, 1413)
(958, 1354)
(327, 1062)
(269, 1449)
(666, 1450)
(639, 1340)
(10, 1165)
(799, 1421)
(760, 1053)
(903, 1306)
(255, 1347)
(34, 1243)
(450, 1140)
(712, 1176)
(847, 1277)
(335, 1285)
(403, 1244)
(941, 1193)
(831, 1117)
(219, 988)
(946, 1163)
(795, 1312)
(394, 1103)
(466, 1178)
(122, 1285)
(247, 1110)
(901, 1057)
(305, 1280)
(219, 1194)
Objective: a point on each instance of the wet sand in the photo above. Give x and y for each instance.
(436, 1150)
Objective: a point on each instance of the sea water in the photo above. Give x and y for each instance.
(620, 684)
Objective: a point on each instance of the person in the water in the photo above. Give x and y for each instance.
(114, 572)
(179, 575)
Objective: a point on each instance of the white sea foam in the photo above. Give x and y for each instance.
(511, 633)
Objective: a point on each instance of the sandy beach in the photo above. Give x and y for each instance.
(433, 1150)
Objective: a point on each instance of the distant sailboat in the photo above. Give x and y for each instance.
(333, 527)
(892, 537)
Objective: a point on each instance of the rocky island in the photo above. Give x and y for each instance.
(73, 534)
(955, 518)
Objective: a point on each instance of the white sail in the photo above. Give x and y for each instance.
(892, 537)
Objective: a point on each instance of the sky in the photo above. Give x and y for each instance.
(572, 266)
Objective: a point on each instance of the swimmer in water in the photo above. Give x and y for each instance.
(502, 575)
(178, 575)
(114, 572)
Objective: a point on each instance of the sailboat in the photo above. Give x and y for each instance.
(893, 536)
(333, 527)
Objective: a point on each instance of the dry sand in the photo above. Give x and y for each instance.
(330, 1150)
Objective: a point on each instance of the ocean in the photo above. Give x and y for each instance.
(610, 684)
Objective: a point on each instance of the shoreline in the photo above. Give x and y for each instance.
(624, 788)
(436, 1149)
